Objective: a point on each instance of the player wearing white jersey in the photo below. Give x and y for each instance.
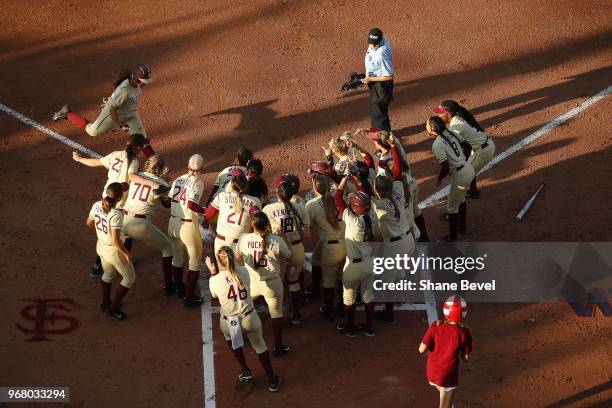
(107, 220)
(222, 182)
(360, 228)
(184, 230)
(447, 150)
(287, 220)
(262, 253)
(146, 191)
(233, 211)
(230, 284)
(120, 165)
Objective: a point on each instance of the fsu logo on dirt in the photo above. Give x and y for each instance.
(47, 318)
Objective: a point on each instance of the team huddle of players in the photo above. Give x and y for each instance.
(259, 235)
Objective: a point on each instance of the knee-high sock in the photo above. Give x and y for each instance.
(167, 270)
(420, 222)
(462, 215)
(296, 300)
(177, 274)
(190, 284)
(453, 220)
(119, 295)
(106, 292)
(389, 309)
(277, 329)
(328, 297)
(238, 353)
(369, 312)
(264, 359)
(316, 279)
(350, 316)
(80, 121)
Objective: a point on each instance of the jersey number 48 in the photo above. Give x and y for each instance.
(231, 294)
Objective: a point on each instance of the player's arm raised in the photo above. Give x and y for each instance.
(76, 156)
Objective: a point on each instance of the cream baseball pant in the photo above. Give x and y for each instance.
(294, 267)
(459, 185)
(113, 262)
(333, 256)
(186, 243)
(315, 258)
(357, 274)
(231, 242)
(251, 326)
(480, 157)
(414, 192)
(104, 123)
(143, 230)
(405, 245)
(272, 291)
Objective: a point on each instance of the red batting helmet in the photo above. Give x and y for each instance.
(141, 73)
(455, 308)
(360, 203)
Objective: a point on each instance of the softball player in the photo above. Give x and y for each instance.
(107, 220)
(120, 110)
(145, 192)
(321, 214)
(120, 165)
(231, 286)
(262, 253)
(287, 220)
(395, 228)
(446, 149)
(361, 227)
(447, 340)
(184, 230)
(223, 179)
(461, 122)
(234, 210)
(256, 185)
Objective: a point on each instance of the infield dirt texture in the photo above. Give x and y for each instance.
(267, 75)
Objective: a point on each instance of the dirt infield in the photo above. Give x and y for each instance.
(267, 75)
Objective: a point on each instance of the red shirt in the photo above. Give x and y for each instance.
(445, 341)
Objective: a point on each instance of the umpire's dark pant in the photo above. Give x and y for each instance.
(381, 94)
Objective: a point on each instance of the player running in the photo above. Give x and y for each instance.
(447, 340)
(148, 189)
(447, 150)
(461, 122)
(287, 220)
(262, 253)
(184, 230)
(238, 315)
(321, 214)
(120, 111)
(361, 228)
(107, 220)
(120, 165)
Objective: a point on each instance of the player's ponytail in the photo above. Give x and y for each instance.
(368, 234)
(261, 225)
(123, 75)
(134, 144)
(321, 186)
(114, 193)
(228, 263)
(454, 108)
(363, 175)
(384, 188)
(284, 193)
(239, 187)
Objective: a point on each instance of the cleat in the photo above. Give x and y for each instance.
(343, 328)
(195, 301)
(170, 289)
(245, 375)
(96, 271)
(279, 351)
(117, 314)
(61, 114)
(104, 307)
(385, 318)
(180, 294)
(296, 319)
(275, 385)
(327, 313)
(368, 331)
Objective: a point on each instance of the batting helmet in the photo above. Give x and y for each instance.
(455, 308)
(360, 203)
(141, 73)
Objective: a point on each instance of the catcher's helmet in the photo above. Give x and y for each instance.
(360, 203)
(455, 308)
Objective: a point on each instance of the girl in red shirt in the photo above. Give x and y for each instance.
(447, 340)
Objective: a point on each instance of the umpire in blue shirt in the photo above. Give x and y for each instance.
(379, 78)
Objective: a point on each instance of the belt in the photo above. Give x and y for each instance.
(357, 260)
(485, 144)
(134, 215)
(458, 169)
(395, 239)
(182, 219)
(299, 241)
(224, 239)
(333, 241)
(245, 315)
